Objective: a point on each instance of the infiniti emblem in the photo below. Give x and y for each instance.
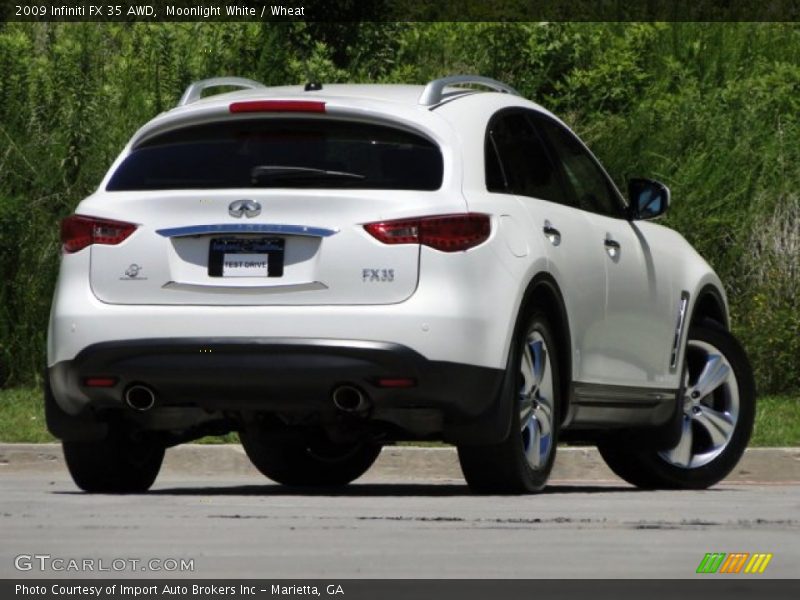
(248, 208)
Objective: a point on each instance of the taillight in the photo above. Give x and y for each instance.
(277, 106)
(78, 231)
(448, 233)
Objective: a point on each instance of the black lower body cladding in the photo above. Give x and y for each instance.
(273, 374)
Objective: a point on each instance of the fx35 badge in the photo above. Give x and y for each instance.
(377, 275)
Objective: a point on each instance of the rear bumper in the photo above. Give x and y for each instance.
(271, 374)
(449, 318)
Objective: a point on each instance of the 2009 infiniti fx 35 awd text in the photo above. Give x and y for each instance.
(327, 269)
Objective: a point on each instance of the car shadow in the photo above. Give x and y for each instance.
(380, 489)
(366, 490)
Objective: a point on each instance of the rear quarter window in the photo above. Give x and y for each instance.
(293, 153)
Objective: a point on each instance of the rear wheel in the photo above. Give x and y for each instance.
(522, 463)
(114, 465)
(718, 405)
(308, 460)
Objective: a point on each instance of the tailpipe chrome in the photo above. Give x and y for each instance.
(350, 399)
(140, 398)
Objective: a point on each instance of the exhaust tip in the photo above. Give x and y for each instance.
(140, 398)
(348, 398)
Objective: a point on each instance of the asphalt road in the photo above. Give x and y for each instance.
(243, 526)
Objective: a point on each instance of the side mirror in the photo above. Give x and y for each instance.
(647, 199)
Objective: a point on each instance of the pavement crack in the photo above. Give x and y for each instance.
(578, 523)
(421, 519)
(702, 524)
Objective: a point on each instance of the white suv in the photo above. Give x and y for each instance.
(328, 269)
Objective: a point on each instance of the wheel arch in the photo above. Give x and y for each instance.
(493, 426)
(544, 293)
(710, 304)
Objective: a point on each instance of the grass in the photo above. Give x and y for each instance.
(22, 420)
(22, 416)
(777, 422)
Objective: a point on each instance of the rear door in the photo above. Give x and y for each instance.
(268, 211)
(525, 168)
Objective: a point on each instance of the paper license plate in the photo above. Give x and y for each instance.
(245, 265)
(245, 257)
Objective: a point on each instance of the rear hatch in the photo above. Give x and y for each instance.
(260, 211)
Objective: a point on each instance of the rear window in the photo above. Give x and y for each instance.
(283, 153)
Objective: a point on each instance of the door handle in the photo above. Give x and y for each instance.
(612, 247)
(553, 234)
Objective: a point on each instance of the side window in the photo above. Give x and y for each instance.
(517, 161)
(590, 185)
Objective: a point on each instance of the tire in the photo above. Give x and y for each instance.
(719, 401)
(115, 465)
(308, 461)
(523, 461)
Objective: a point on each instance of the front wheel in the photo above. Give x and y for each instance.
(718, 409)
(522, 463)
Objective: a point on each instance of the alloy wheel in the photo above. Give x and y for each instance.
(710, 407)
(536, 401)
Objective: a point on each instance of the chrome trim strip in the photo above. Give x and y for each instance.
(676, 342)
(599, 406)
(246, 228)
(602, 394)
(245, 289)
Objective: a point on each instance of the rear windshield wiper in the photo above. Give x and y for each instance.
(266, 174)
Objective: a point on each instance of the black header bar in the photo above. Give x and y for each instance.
(399, 10)
(702, 588)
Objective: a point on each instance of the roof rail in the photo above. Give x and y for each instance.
(195, 90)
(434, 90)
